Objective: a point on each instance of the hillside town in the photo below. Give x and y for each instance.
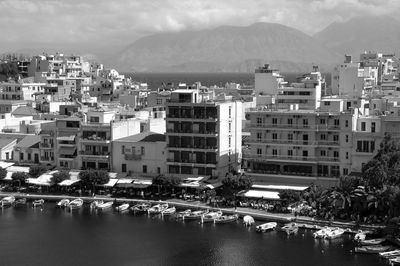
(63, 112)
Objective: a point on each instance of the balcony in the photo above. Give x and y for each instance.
(95, 138)
(192, 147)
(299, 127)
(133, 157)
(46, 145)
(310, 159)
(190, 162)
(192, 132)
(94, 153)
(47, 159)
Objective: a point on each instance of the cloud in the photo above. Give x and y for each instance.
(105, 22)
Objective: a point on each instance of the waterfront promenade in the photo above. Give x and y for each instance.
(261, 215)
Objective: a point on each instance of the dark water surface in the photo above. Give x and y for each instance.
(83, 237)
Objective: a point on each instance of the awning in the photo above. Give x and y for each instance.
(214, 186)
(124, 182)
(262, 194)
(280, 187)
(110, 183)
(43, 180)
(68, 182)
(142, 183)
(67, 150)
(67, 138)
(5, 164)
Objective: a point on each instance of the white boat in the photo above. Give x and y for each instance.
(63, 203)
(122, 207)
(20, 201)
(7, 201)
(360, 235)
(395, 260)
(141, 207)
(334, 233)
(168, 211)
(158, 208)
(75, 204)
(183, 213)
(211, 216)
(390, 254)
(105, 205)
(226, 219)
(248, 220)
(95, 203)
(266, 227)
(372, 242)
(322, 232)
(195, 215)
(38, 203)
(290, 228)
(372, 249)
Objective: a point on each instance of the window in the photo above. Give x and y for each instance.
(323, 153)
(123, 149)
(259, 120)
(347, 155)
(29, 156)
(94, 119)
(123, 168)
(290, 153)
(142, 150)
(345, 171)
(336, 122)
(335, 154)
(144, 169)
(290, 137)
(322, 121)
(274, 136)
(323, 137)
(159, 102)
(373, 126)
(305, 153)
(158, 170)
(259, 135)
(290, 121)
(274, 121)
(230, 126)
(336, 138)
(274, 152)
(347, 123)
(259, 151)
(327, 103)
(230, 111)
(347, 138)
(363, 126)
(229, 141)
(305, 122)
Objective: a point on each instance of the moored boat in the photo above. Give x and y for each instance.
(168, 211)
(19, 202)
(360, 235)
(334, 233)
(105, 205)
(322, 232)
(266, 227)
(390, 254)
(290, 228)
(7, 201)
(211, 216)
(158, 208)
(371, 242)
(195, 215)
(395, 260)
(226, 219)
(38, 203)
(141, 207)
(75, 204)
(95, 203)
(183, 213)
(372, 249)
(63, 203)
(123, 207)
(248, 220)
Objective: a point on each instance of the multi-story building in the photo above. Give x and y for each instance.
(67, 142)
(24, 89)
(47, 145)
(203, 136)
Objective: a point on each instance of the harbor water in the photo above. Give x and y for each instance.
(53, 236)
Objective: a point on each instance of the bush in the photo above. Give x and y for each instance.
(59, 177)
(94, 177)
(3, 173)
(36, 170)
(20, 177)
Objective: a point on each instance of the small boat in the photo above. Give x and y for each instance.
(395, 260)
(334, 233)
(226, 219)
(290, 228)
(75, 204)
(105, 205)
(168, 211)
(322, 232)
(183, 213)
(122, 207)
(18, 202)
(158, 208)
(390, 254)
(372, 249)
(38, 203)
(371, 242)
(196, 215)
(248, 220)
(95, 203)
(63, 203)
(141, 207)
(266, 227)
(7, 201)
(360, 235)
(211, 216)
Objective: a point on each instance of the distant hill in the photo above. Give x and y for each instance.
(372, 33)
(225, 49)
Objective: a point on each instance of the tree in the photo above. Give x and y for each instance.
(289, 196)
(232, 184)
(59, 177)
(36, 170)
(91, 178)
(3, 173)
(20, 177)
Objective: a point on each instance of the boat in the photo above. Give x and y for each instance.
(21, 201)
(158, 208)
(360, 235)
(390, 254)
(63, 203)
(290, 228)
(334, 233)
(372, 249)
(38, 203)
(310, 226)
(226, 219)
(248, 220)
(168, 211)
(322, 232)
(183, 213)
(7, 201)
(122, 207)
(371, 242)
(196, 215)
(266, 227)
(141, 207)
(95, 203)
(105, 205)
(211, 216)
(75, 204)
(395, 260)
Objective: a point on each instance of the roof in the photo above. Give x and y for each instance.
(143, 137)
(25, 111)
(28, 142)
(5, 142)
(262, 194)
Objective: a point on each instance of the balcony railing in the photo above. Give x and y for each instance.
(46, 145)
(94, 153)
(200, 147)
(295, 126)
(47, 159)
(205, 132)
(95, 138)
(295, 142)
(133, 157)
(190, 161)
(291, 158)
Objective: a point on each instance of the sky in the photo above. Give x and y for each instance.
(101, 25)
